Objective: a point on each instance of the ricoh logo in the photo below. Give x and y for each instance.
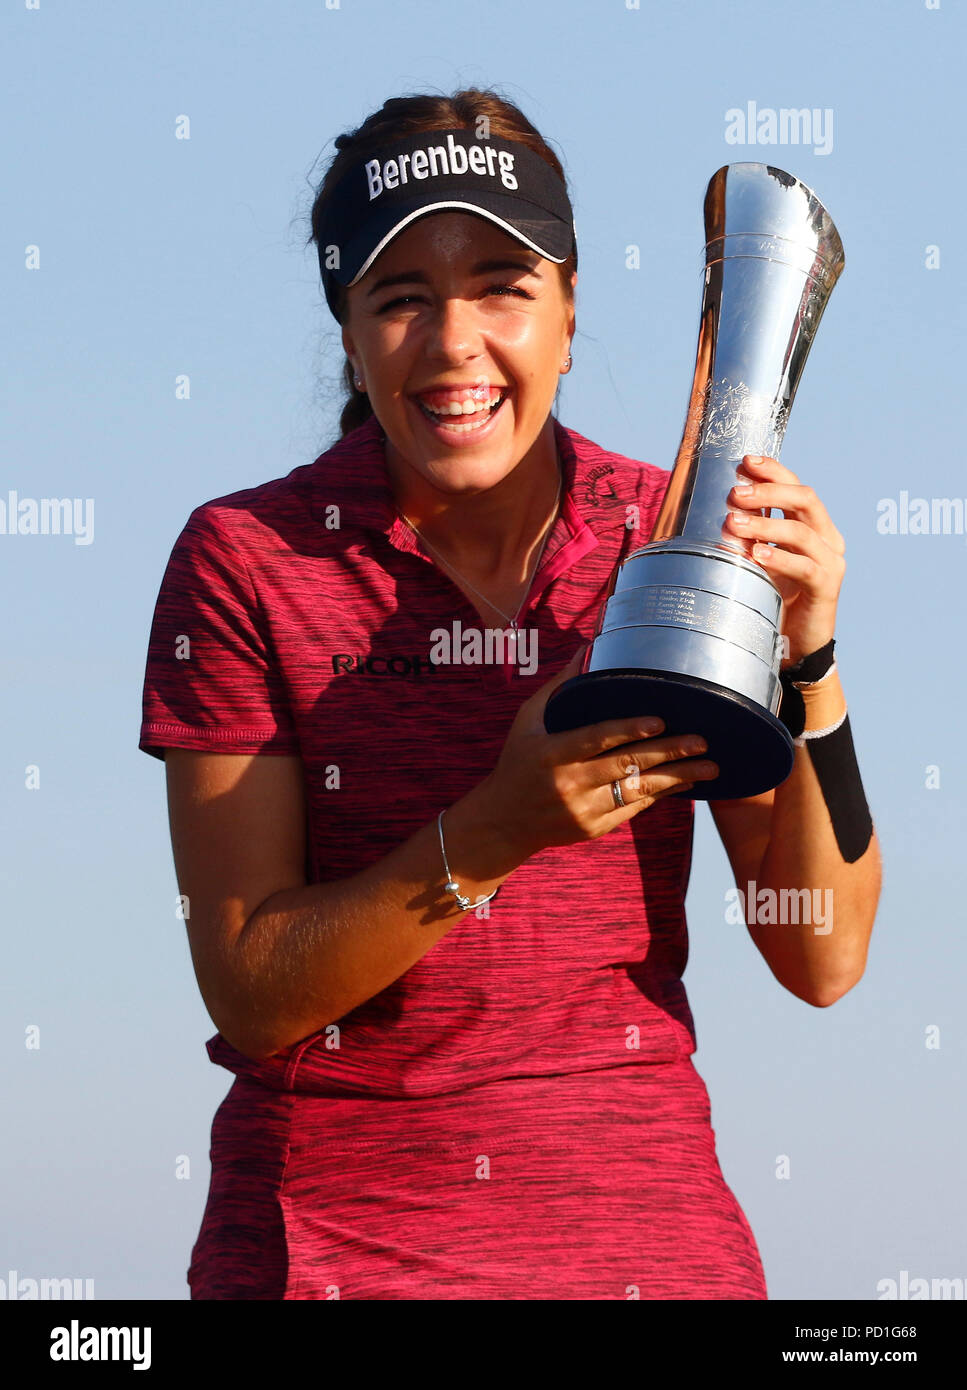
(448, 159)
(345, 664)
(764, 125)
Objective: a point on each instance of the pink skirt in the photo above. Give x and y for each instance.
(594, 1185)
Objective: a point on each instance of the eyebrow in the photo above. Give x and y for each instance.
(481, 268)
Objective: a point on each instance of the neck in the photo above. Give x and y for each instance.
(491, 533)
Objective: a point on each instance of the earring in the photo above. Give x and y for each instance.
(359, 384)
(567, 364)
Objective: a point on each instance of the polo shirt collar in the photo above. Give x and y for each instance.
(352, 474)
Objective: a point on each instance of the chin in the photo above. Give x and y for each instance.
(458, 475)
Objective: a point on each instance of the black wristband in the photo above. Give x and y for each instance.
(792, 707)
(812, 667)
(838, 774)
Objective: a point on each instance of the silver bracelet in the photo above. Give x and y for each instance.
(452, 887)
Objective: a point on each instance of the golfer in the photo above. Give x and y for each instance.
(442, 948)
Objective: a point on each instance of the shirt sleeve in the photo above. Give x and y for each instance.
(211, 681)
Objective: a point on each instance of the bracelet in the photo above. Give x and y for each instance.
(451, 886)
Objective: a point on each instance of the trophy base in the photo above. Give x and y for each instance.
(753, 749)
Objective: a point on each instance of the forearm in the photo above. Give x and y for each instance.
(818, 942)
(309, 955)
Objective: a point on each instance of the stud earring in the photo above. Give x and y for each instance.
(567, 364)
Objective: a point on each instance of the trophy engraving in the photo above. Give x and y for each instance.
(733, 417)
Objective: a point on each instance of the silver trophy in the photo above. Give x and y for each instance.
(690, 630)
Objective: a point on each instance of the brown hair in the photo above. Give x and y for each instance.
(401, 116)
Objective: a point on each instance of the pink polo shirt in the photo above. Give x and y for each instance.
(518, 1115)
(308, 606)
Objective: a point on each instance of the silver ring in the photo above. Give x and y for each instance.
(616, 796)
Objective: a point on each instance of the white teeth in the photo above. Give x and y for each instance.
(461, 408)
(468, 407)
(469, 428)
(464, 429)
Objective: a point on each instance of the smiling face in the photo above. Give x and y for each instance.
(459, 333)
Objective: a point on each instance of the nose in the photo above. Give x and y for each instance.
(453, 334)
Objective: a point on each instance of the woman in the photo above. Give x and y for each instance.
(442, 948)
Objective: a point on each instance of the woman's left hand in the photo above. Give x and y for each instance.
(806, 562)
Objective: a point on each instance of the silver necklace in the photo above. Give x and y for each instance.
(547, 531)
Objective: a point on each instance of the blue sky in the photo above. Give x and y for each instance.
(159, 256)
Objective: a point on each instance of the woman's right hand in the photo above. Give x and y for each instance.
(555, 789)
